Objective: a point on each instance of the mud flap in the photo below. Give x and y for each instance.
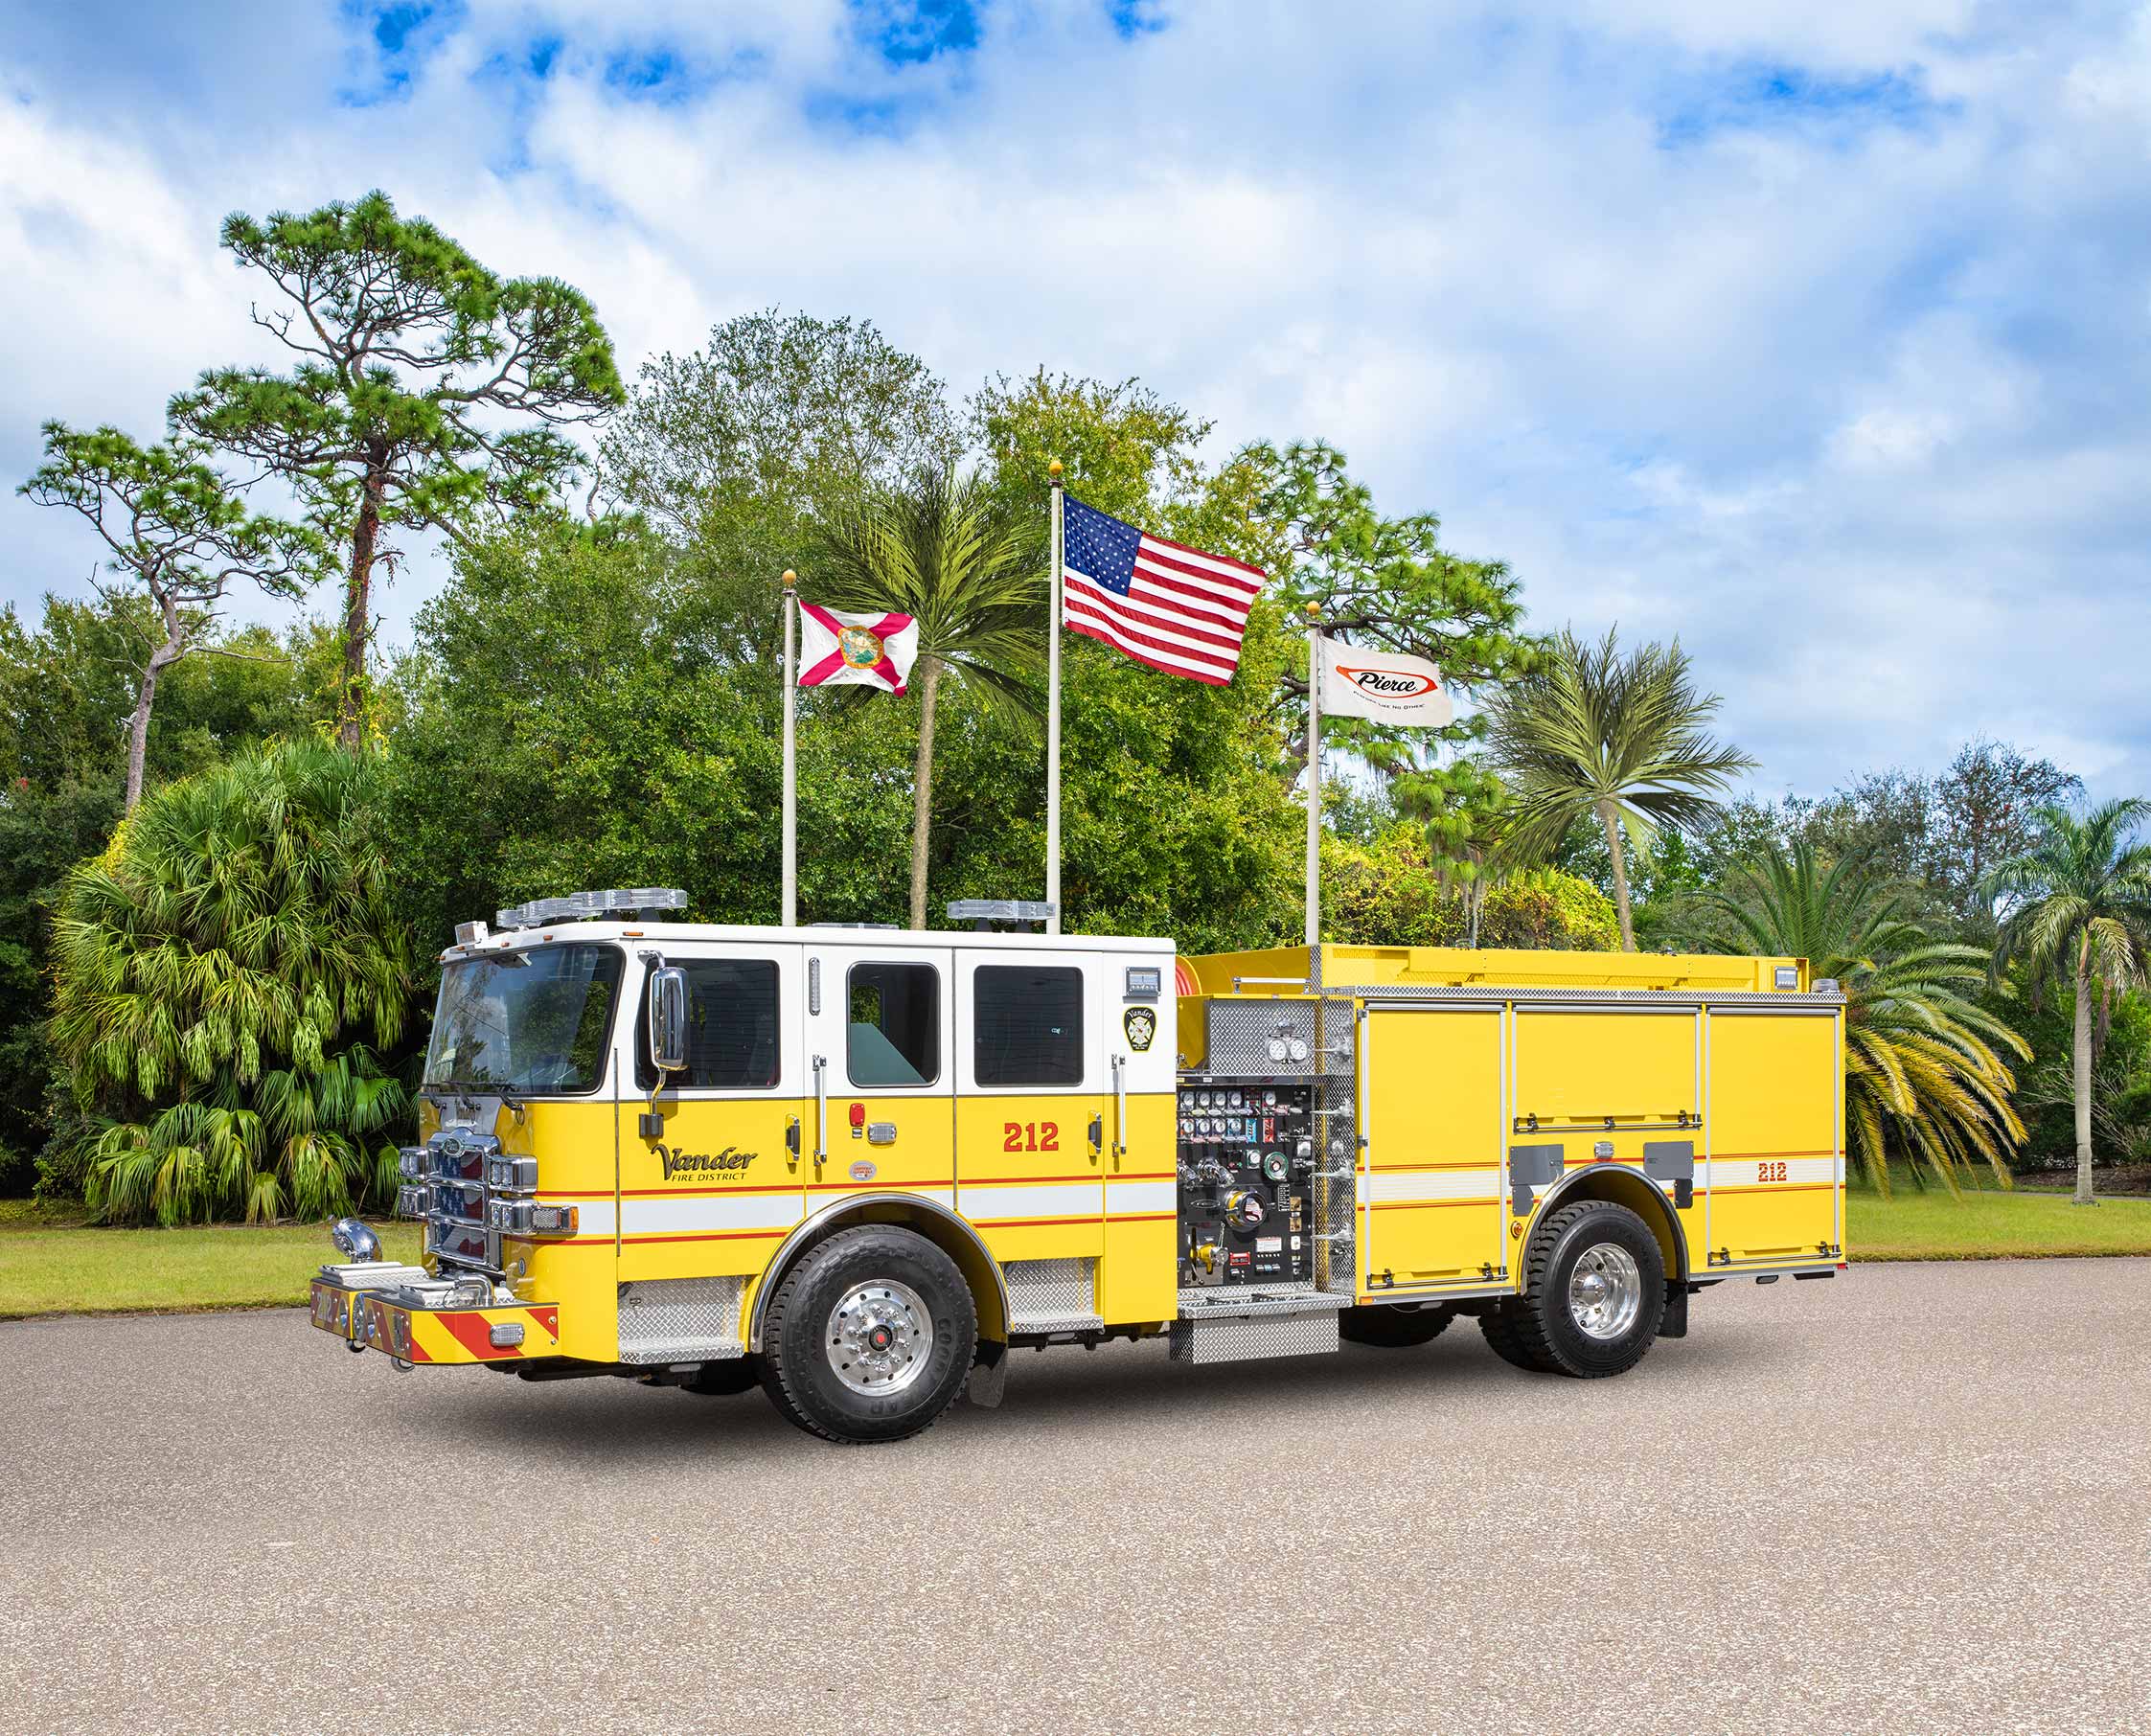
(1674, 1323)
(989, 1375)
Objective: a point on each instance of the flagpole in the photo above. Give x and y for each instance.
(1053, 720)
(1314, 778)
(790, 913)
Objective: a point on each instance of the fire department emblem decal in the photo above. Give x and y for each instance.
(859, 646)
(1141, 1026)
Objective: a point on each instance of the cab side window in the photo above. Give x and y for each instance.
(731, 1027)
(894, 1034)
(1027, 1022)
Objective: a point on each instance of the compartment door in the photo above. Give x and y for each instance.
(1773, 1171)
(1431, 1175)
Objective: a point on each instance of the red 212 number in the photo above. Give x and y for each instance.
(1030, 1135)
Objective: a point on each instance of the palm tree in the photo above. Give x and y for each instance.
(943, 552)
(215, 972)
(1922, 1070)
(1622, 738)
(2079, 909)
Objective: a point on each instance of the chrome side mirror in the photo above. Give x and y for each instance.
(668, 1019)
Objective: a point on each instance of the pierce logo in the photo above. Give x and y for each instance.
(1390, 683)
(703, 1163)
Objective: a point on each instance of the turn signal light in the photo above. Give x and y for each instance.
(525, 1217)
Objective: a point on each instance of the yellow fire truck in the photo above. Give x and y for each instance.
(856, 1167)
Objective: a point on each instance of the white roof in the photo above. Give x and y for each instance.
(827, 934)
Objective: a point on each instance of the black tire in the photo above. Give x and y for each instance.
(1392, 1328)
(807, 1372)
(1499, 1325)
(721, 1379)
(1541, 1330)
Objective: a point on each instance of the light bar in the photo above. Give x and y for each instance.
(980, 911)
(590, 906)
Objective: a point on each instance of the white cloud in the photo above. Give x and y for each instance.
(1815, 335)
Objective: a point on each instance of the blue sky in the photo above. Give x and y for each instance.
(1819, 336)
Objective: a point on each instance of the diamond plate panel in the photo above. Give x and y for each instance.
(1056, 1293)
(1241, 1339)
(1241, 1031)
(680, 1320)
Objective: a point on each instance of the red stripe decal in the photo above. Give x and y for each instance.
(473, 1333)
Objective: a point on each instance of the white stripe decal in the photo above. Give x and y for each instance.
(1044, 1200)
(1132, 1197)
(707, 1214)
(1749, 1172)
(1435, 1184)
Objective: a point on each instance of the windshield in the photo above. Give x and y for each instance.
(526, 1021)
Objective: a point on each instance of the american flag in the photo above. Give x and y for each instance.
(1160, 603)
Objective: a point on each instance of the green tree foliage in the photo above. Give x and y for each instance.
(66, 694)
(426, 390)
(226, 975)
(1624, 739)
(2078, 911)
(732, 450)
(1924, 1073)
(1393, 891)
(173, 527)
(945, 552)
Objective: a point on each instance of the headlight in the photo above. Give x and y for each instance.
(512, 1174)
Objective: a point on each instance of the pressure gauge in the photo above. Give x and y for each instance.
(1236, 1102)
(1269, 1099)
(1278, 1048)
(1298, 1048)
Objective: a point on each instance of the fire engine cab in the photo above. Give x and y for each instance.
(857, 1166)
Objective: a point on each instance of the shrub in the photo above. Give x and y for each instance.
(218, 973)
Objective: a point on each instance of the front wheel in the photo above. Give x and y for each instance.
(869, 1336)
(1594, 1291)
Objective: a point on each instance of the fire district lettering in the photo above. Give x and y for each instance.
(693, 1163)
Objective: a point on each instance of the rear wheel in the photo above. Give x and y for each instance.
(1392, 1328)
(869, 1336)
(1594, 1291)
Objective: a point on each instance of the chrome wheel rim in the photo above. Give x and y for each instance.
(1605, 1290)
(878, 1338)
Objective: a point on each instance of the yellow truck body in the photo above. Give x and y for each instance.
(1250, 1154)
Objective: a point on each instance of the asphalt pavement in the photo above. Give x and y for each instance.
(1911, 1499)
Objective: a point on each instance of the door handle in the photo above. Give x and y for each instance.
(1097, 1136)
(821, 1111)
(1119, 1107)
(792, 1139)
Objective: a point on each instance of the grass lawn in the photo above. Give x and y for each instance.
(49, 1266)
(1988, 1225)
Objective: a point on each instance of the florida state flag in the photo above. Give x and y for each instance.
(837, 648)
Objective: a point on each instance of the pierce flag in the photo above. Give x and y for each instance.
(1385, 687)
(838, 647)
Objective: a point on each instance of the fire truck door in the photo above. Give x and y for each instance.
(713, 1185)
(1035, 1103)
(1431, 1203)
(880, 1024)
